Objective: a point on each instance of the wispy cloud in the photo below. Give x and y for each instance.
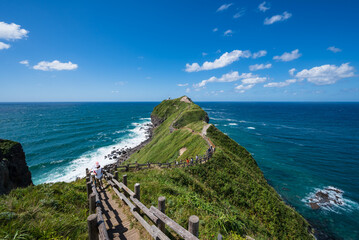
(224, 7)
(262, 7)
(259, 54)
(182, 84)
(286, 57)
(229, 32)
(24, 62)
(291, 71)
(246, 78)
(204, 54)
(326, 74)
(215, 29)
(239, 14)
(4, 46)
(256, 67)
(55, 65)
(224, 60)
(277, 18)
(12, 31)
(281, 84)
(334, 49)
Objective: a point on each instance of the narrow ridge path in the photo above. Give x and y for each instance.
(117, 222)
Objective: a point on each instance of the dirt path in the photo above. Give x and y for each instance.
(117, 223)
(202, 134)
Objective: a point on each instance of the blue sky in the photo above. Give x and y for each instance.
(150, 50)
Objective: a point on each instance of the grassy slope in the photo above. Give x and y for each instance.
(229, 193)
(165, 146)
(45, 211)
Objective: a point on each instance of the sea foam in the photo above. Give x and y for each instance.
(76, 168)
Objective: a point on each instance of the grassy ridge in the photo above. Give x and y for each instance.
(45, 211)
(165, 146)
(229, 192)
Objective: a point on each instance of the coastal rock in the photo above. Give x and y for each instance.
(327, 197)
(14, 171)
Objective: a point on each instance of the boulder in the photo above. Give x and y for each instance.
(14, 171)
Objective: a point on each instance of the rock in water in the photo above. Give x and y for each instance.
(14, 171)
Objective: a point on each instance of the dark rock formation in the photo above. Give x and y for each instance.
(14, 171)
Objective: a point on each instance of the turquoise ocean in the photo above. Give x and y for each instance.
(301, 148)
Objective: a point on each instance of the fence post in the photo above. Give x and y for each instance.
(127, 167)
(193, 225)
(148, 164)
(124, 179)
(88, 188)
(92, 202)
(162, 207)
(116, 175)
(137, 191)
(92, 227)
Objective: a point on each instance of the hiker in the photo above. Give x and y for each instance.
(187, 160)
(196, 158)
(191, 160)
(98, 175)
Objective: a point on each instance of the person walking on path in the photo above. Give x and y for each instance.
(98, 175)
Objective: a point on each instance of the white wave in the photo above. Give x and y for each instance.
(334, 200)
(233, 124)
(242, 121)
(77, 167)
(251, 128)
(148, 119)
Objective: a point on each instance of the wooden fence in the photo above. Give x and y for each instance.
(95, 223)
(136, 166)
(156, 228)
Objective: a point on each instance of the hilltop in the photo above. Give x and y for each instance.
(229, 192)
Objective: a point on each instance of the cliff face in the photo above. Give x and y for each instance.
(14, 171)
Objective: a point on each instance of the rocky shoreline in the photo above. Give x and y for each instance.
(123, 154)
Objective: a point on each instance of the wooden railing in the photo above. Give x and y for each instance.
(95, 223)
(136, 166)
(156, 228)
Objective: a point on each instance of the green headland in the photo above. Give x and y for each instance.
(228, 193)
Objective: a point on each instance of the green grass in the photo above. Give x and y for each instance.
(229, 192)
(6, 146)
(45, 211)
(165, 146)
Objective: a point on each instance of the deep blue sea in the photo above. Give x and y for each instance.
(301, 147)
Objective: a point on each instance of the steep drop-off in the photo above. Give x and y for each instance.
(14, 171)
(229, 192)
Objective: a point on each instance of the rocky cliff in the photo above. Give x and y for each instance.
(14, 171)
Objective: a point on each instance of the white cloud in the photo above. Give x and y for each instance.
(12, 31)
(277, 18)
(239, 14)
(241, 88)
(254, 80)
(262, 7)
(215, 29)
(326, 74)
(286, 57)
(334, 49)
(224, 60)
(256, 67)
(291, 71)
(204, 54)
(182, 84)
(259, 54)
(188, 90)
(281, 84)
(228, 77)
(229, 32)
(24, 62)
(4, 46)
(224, 7)
(55, 65)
